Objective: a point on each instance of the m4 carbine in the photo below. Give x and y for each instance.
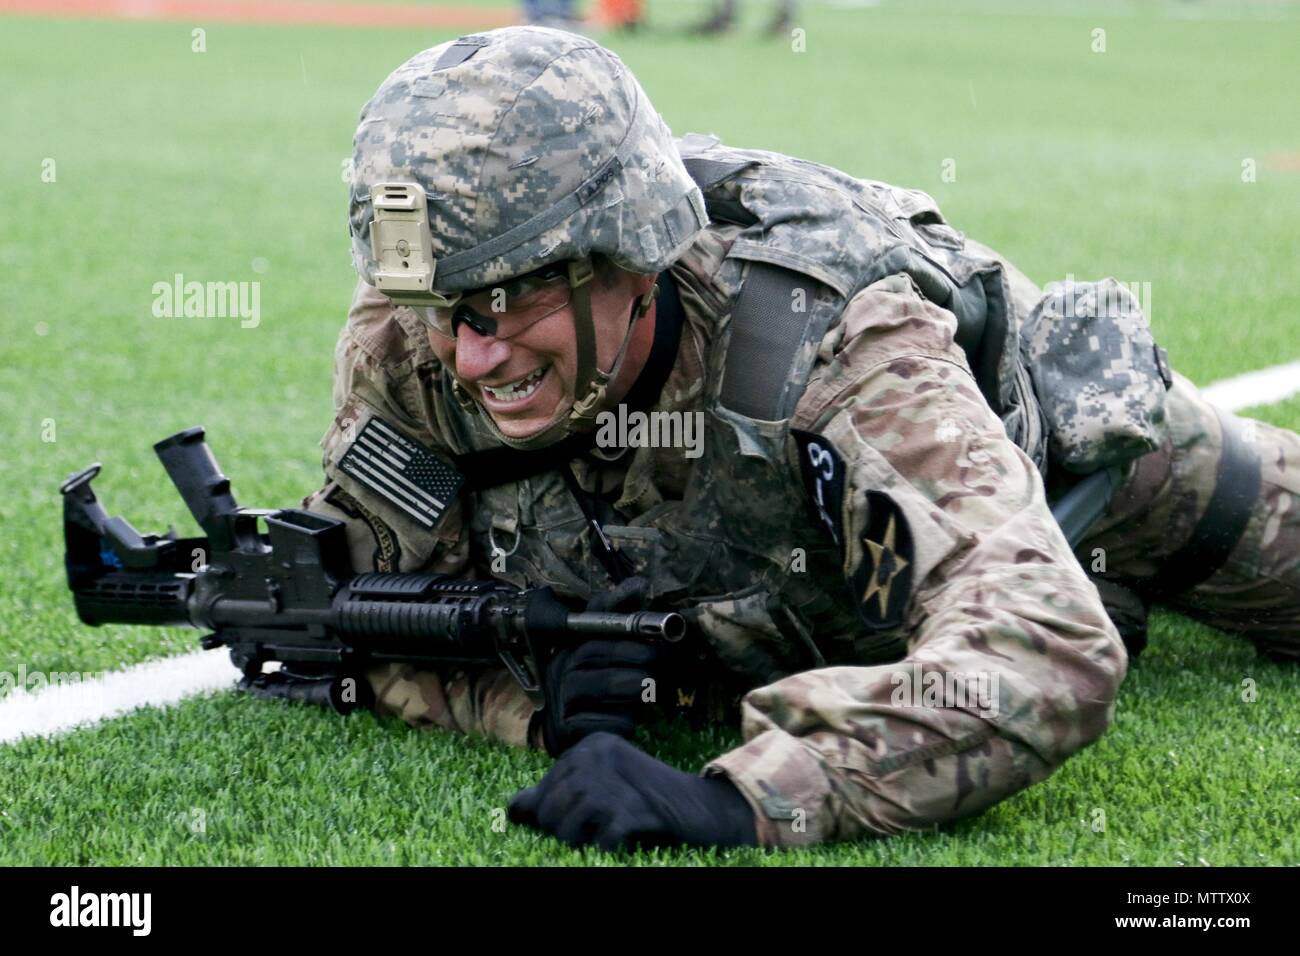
(288, 593)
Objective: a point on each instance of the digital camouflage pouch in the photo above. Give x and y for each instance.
(1098, 373)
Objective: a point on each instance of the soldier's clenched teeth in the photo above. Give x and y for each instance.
(517, 390)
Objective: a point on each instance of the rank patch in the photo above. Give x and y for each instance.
(823, 478)
(882, 582)
(420, 483)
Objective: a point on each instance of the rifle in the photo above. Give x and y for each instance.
(288, 593)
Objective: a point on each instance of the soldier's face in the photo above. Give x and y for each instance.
(526, 373)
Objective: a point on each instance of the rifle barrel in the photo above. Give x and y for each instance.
(666, 626)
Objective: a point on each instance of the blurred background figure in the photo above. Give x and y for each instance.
(620, 14)
(724, 17)
(551, 13)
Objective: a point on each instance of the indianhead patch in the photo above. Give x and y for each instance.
(882, 582)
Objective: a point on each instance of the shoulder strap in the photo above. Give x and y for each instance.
(707, 173)
(766, 333)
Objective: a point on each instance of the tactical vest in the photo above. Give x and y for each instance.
(724, 552)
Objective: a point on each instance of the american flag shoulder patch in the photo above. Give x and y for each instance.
(418, 482)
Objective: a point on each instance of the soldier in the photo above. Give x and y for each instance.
(861, 538)
(723, 17)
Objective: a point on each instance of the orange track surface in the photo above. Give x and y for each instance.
(264, 11)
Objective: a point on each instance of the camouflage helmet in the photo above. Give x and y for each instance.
(494, 155)
(532, 146)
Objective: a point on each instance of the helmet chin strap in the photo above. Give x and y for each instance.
(591, 384)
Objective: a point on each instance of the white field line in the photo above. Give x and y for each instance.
(61, 707)
(54, 710)
(1263, 387)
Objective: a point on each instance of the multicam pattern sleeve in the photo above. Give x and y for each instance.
(1012, 663)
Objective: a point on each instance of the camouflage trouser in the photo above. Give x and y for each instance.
(487, 701)
(1256, 591)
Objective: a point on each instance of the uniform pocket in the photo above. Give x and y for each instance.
(744, 635)
(671, 562)
(516, 544)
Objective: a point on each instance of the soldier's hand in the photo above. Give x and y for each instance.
(607, 793)
(598, 685)
(592, 687)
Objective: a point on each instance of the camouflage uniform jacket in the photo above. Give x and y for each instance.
(885, 538)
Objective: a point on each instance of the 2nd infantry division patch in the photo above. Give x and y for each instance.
(882, 582)
(420, 483)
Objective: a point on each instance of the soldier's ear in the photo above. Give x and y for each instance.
(638, 284)
(644, 282)
(609, 275)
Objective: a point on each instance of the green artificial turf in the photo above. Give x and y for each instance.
(225, 166)
(1190, 774)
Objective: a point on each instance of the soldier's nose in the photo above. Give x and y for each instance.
(477, 355)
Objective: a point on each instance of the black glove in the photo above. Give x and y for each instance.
(1127, 609)
(607, 793)
(625, 597)
(594, 686)
(597, 685)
